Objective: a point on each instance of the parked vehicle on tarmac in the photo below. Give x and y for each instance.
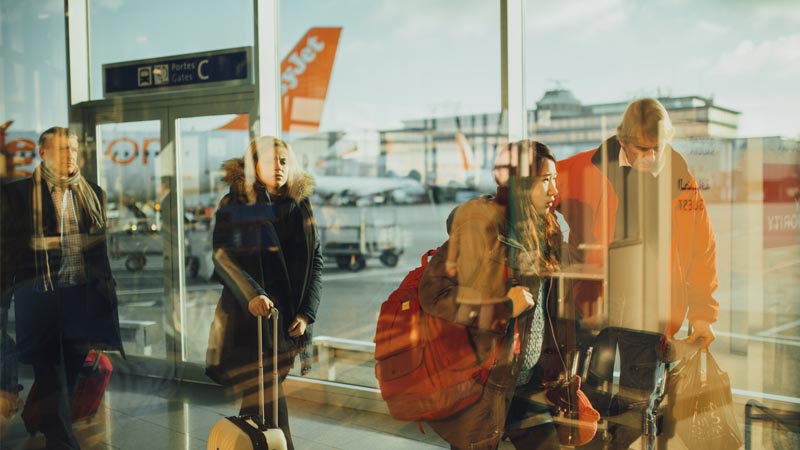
(352, 236)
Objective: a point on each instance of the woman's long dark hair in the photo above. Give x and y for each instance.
(540, 235)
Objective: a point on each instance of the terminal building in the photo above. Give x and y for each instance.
(560, 120)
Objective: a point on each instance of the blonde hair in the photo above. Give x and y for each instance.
(646, 117)
(255, 150)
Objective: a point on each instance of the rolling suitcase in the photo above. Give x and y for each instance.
(251, 432)
(9, 379)
(93, 380)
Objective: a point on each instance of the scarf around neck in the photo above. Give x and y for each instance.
(86, 198)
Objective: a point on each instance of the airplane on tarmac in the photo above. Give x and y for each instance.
(370, 190)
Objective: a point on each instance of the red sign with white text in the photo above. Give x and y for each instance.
(781, 205)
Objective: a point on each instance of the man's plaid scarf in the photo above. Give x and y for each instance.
(87, 200)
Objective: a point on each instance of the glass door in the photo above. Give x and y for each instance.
(203, 144)
(133, 156)
(161, 167)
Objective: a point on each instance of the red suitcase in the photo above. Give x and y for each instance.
(94, 378)
(92, 383)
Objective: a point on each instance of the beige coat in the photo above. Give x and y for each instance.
(476, 298)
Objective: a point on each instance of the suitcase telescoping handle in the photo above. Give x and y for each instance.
(273, 314)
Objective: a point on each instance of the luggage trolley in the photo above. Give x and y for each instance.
(139, 238)
(134, 244)
(630, 401)
(351, 244)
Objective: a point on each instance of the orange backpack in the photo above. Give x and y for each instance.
(427, 367)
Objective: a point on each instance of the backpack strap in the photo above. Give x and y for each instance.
(425, 257)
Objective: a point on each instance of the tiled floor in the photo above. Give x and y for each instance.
(152, 414)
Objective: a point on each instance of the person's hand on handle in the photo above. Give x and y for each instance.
(563, 393)
(521, 300)
(260, 305)
(702, 333)
(298, 326)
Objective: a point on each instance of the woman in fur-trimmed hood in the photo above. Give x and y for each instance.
(267, 254)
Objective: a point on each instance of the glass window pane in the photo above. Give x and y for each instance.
(721, 71)
(129, 30)
(205, 143)
(405, 127)
(129, 156)
(33, 86)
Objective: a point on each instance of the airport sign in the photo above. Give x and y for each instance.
(230, 67)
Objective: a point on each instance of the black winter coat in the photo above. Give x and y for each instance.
(94, 320)
(250, 260)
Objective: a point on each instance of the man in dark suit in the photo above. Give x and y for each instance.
(55, 266)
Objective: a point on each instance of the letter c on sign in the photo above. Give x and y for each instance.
(200, 73)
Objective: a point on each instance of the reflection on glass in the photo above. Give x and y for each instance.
(743, 158)
(205, 143)
(388, 169)
(129, 166)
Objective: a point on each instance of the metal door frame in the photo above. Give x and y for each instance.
(168, 108)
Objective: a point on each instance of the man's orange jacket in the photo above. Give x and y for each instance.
(586, 193)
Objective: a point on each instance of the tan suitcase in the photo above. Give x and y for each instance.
(252, 432)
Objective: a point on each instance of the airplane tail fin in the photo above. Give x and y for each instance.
(465, 148)
(239, 123)
(305, 75)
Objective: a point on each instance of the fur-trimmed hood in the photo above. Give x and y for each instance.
(299, 188)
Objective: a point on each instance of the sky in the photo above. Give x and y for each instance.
(743, 53)
(409, 59)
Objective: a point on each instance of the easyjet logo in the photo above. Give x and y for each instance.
(298, 63)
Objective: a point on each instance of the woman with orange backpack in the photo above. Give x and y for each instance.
(490, 276)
